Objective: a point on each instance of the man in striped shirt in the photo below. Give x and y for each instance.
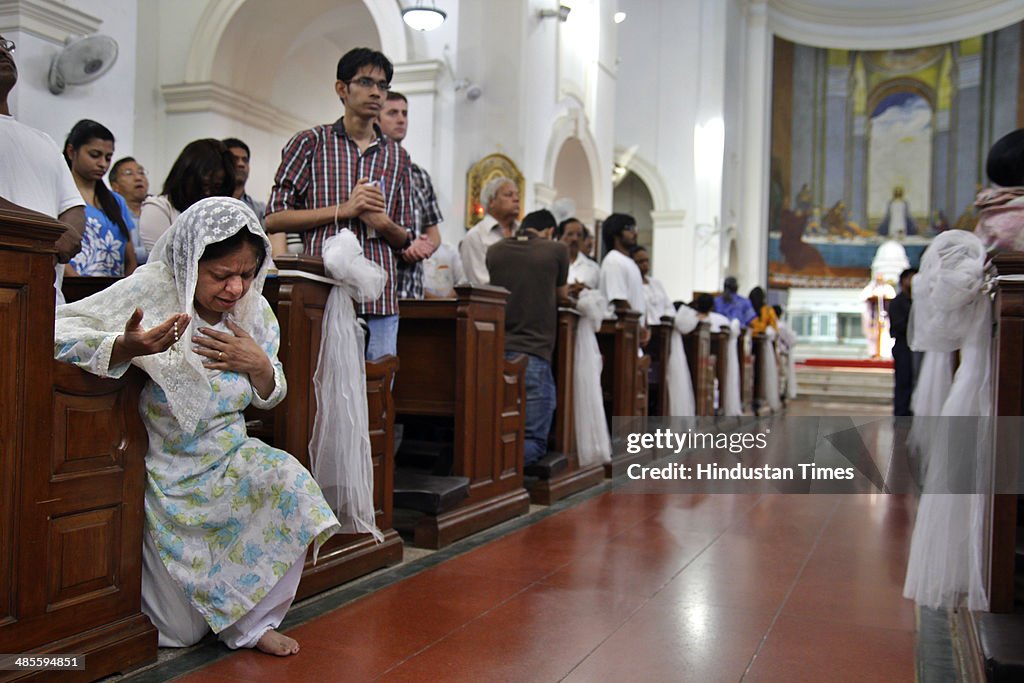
(348, 175)
(394, 120)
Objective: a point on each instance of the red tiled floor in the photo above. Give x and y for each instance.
(815, 650)
(539, 635)
(635, 587)
(675, 641)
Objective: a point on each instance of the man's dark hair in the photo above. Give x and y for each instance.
(1005, 163)
(354, 60)
(538, 220)
(395, 95)
(235, 142)
(191, 177)
(613, 227)
(705, 303)
(908, 273)
(112, 175)
(635, 249)
(730, 285)
(560, 228)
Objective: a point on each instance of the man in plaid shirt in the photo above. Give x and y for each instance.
(394, 121)
(348, 175)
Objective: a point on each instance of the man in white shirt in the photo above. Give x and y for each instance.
(657, 302)
(500, 196)
(33, 174)
(620, 276)
(583, 272)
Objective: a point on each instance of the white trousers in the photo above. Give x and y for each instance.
(180, 625)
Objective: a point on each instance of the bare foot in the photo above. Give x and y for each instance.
(274, 643)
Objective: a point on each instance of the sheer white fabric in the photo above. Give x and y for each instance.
(934, 380)
(340, 445)
(593, 443)
(168, 282)
(770, 372)
(681, 402)
(731, 401)
(952, 311)
(787, 340)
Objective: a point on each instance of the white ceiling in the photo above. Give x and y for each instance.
(881, 24)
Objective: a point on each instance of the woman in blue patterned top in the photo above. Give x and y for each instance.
(107, 244)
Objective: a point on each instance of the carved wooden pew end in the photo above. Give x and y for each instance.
(454, 373)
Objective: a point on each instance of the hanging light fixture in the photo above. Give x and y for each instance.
(423, 18)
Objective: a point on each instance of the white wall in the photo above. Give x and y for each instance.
(109, 100)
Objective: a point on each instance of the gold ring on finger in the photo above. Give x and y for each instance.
(220, 355)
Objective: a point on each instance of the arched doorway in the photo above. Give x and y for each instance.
(240, 84)
(572, 179)
(632, 196)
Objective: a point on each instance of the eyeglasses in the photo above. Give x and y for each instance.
(367, 82)
(130, 172)
(7, 44)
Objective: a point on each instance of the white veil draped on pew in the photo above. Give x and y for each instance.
(339, 448)
(729, 395)
(787, 342)
(593, 443)
(934, 380)
(952, 311)
(681, 402)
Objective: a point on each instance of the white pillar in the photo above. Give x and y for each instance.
(753, 219)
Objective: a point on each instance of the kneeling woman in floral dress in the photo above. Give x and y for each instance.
(228, 518)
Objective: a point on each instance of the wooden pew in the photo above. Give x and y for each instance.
(747, 377)
(77, 287)
(454, 369)
(1009, 400)
(72, 480)
(992, 641)
(623, 379)
(659, 349)
(299, 304)
(563, 427)
(702, 368)
(720, 349)
(760, 345)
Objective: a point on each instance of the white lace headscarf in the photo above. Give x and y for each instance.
(165, 286)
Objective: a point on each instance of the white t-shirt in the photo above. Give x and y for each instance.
(621, 279)
(658, 303)
(34, 175)
(473, 248)
(155, 219)
(585, 271)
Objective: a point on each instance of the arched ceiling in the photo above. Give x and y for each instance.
(884, 24)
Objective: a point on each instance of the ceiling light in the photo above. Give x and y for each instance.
(619, 17)
(423, 18)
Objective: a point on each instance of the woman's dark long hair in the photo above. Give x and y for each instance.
(194, 173)
(82, 133)
(757, 299)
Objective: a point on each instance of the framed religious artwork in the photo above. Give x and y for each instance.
(488, 168)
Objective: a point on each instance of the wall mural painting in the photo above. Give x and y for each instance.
(886, 147)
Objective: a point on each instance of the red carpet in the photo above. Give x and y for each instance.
(849, 363)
